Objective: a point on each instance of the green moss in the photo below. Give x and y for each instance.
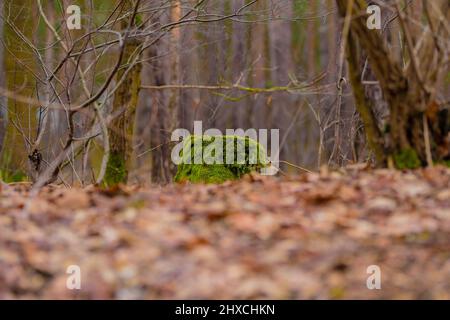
(138, 19)
(116, 171)
(11, 177)
(445, 163)
(407, 159)
(207, 170)
(204, 174)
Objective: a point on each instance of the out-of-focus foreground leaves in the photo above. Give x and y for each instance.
(311, 236)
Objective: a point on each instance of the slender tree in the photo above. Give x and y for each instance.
(19, 69)
(121, 129)
(3, 100)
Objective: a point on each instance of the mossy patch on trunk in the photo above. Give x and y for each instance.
(407, 159)
(199, 160)
(116, 171)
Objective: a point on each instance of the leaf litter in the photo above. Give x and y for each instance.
(305, 237)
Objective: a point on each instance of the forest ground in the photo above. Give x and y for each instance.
(309, 236)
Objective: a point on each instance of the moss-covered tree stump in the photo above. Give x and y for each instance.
(204, 159)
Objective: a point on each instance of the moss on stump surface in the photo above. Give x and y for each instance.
(199, 160)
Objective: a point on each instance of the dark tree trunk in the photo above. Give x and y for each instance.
(413, 136)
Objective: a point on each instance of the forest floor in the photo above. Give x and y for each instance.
(310, 236)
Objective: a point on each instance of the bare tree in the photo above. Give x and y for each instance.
(418, 129)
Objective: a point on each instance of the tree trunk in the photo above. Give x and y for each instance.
(19, 65)
(3, 100)
(364, 105)
(121, 129)
(414, 135)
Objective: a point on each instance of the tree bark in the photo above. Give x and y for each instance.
(3, 100)
(121, 129)
(406, 91)
(19, 68)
